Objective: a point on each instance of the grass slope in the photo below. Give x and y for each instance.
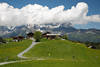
(58, 49)
(58, 53)
(51, 63)
(9, 51)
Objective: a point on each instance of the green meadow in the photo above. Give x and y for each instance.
(52, 63)
(60, 53)
(66, 50)
(9, 51)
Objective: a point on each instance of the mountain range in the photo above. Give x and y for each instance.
(82, 35)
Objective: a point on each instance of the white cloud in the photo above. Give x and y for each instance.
(37, 14)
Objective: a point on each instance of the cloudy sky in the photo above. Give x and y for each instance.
(81, 13)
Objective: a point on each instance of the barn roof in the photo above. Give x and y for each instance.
(53, 34)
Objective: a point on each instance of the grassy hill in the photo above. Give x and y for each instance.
(9, 51)
(60, 53)
(52, 63)
(67, 50)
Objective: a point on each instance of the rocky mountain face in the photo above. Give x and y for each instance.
(24, 29)
(13, 31)
(92, 35)
(85, 35)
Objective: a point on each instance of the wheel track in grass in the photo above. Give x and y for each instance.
(20, 55)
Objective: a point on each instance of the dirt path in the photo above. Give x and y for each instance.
(20, 55)
(3, 63)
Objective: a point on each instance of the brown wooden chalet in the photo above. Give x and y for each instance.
(44, 34)
(48, 35)
(18, 38)
(30, 35)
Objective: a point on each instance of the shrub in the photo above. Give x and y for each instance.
(38, 36)
(2, 40)
(65, 37)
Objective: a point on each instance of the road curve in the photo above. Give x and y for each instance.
(9, 62)
(20, 55)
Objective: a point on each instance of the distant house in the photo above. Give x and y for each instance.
(30, 35)
(49, 35)
(93, 47)
(2, 40)
(18, 38)
(45, 34)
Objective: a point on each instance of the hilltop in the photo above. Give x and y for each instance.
(60, 53)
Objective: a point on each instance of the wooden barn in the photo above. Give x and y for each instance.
(18, 38)
(45, 34)
(30, 35)
(49, 35)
